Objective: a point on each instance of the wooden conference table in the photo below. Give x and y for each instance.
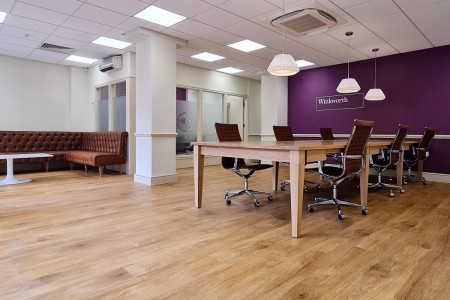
(297, 153)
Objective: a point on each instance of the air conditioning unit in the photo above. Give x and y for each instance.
(111, 64)
(310, 18)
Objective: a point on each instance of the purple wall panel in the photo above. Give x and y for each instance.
(417, 89)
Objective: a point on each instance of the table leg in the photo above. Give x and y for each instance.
(10, 178)
(297, 178)
(275, 171)
(364, 178)
(399, 170)
(198, 175)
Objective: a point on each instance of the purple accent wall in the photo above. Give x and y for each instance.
(417, 89)
(181, 94)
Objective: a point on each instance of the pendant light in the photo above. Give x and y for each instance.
(348, 85)
(283, 64)
(375, 94)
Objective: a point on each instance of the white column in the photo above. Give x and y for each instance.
(274, 103)
(155, 107)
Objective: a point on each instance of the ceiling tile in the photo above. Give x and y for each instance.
(388, 22)
(20, 41)
(218, 18)
(38, 14)
(20, 32)
(433, 11)
(194, 8)
(128, 7)
(99, 15)
(436, 30)
(75, 34)
(246, 29)
(194, 28)
(249, 8)
(56, 40)
(67, 7)
(373, 9)
(29, 24)
(6, 5)
(86, 26)
(409, 4)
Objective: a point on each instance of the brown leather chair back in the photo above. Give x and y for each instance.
(357, 142)
(283, 133)
(326, 133)
(396, 148)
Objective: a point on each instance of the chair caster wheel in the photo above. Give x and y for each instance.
(391, 194)
(270, 198)
(402, 191)
(305, 189)
(228, 201)
(318, 186)
(424, 183)
(256, 203)
(341, 216)
(311, 209)
(282, 188)
(364, 211)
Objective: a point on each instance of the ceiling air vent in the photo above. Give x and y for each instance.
(309, 19)
(56, 48)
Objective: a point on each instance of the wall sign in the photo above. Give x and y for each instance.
(339, 102)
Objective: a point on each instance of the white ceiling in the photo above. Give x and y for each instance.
(394, 26)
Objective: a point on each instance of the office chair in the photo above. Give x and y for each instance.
(326, 133)
(230, 133)
(418, 153)
(388, 158)
(352, 160)
(282, 134)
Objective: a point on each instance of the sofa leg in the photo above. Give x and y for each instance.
(100, 170)
(46, 166)
(86, 169)
(120, 169)
(71, 166)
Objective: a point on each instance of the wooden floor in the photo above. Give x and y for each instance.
(68, 235)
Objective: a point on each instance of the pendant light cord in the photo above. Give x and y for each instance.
(375, 83)
(348, 56)
(283, 27)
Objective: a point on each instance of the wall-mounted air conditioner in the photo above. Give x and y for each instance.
(111, 64)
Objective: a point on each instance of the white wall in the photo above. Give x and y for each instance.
(39, 96)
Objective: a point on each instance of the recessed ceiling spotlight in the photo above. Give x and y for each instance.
(207, 56)
(159, 16)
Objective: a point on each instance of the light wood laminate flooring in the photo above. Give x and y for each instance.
(67, 235)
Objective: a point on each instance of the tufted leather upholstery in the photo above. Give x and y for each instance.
(96, 149)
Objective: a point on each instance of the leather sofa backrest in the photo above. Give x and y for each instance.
(111, 142)
(39, 141)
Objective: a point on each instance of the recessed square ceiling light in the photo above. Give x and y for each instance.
(2, 16)
(246, 46)
(104, 41)
(230, 70)
(159, 16)
(81, 59)
(207, 56)
(304, 63)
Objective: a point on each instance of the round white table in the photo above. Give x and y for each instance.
(10, 178)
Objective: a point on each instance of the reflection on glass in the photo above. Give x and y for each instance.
(120, 107)
(211, 113)
(103, 108)
(187, 100)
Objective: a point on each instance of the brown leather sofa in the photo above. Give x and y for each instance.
(97, 149)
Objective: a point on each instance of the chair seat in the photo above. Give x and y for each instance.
(256, 167)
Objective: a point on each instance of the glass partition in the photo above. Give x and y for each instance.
(212, 108)
(120, 107)
(186, 107)
(103, 108)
